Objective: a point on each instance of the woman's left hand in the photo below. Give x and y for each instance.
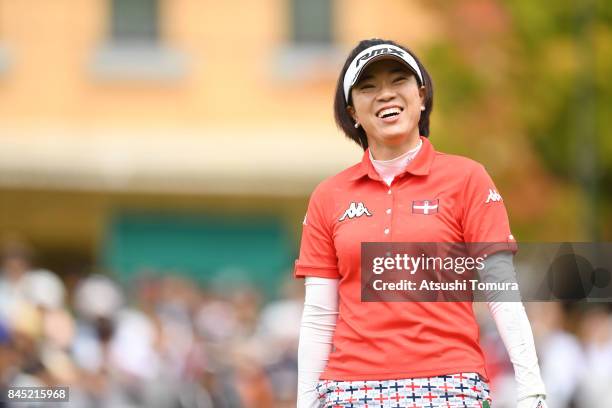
(536, 401)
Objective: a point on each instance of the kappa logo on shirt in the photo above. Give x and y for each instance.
(355, 210)
(493, 196)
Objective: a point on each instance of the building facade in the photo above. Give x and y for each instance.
(118, 113)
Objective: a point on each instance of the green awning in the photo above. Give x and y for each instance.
(223, 251)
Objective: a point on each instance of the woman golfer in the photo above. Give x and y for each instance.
(400, 354)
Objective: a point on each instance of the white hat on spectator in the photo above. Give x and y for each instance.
(97, 296)
(44, 288)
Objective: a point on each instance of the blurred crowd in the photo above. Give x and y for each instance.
(163, 341)
(159, 342)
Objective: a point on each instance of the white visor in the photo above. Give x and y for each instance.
(375, 53)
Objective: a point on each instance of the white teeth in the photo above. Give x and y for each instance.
(389, 111)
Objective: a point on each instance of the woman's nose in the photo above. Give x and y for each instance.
(386, 92)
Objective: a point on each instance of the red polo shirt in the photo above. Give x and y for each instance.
(391, 340)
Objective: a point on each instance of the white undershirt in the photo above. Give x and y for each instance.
(388, 169)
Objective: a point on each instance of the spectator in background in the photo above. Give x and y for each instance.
(97, 301)
(561, 353)
(595, 331)
(8, 359)
(15, 265)
(32, 312)
(278, 331)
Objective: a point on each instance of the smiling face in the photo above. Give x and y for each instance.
(386, 101)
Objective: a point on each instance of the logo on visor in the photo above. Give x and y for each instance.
(380, 51)
(355, 210)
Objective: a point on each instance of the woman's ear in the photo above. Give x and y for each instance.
(351, 111)
(422, 95)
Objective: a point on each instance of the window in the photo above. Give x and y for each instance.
(135, 50)
(312, 21)
(310, 51)
(135, 20)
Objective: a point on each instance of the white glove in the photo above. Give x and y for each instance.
(536, 401)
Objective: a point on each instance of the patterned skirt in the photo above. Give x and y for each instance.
(464, 390)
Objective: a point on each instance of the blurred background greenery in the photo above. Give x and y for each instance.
(526, 88)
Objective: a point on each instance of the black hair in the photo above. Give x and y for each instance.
(344, 120)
